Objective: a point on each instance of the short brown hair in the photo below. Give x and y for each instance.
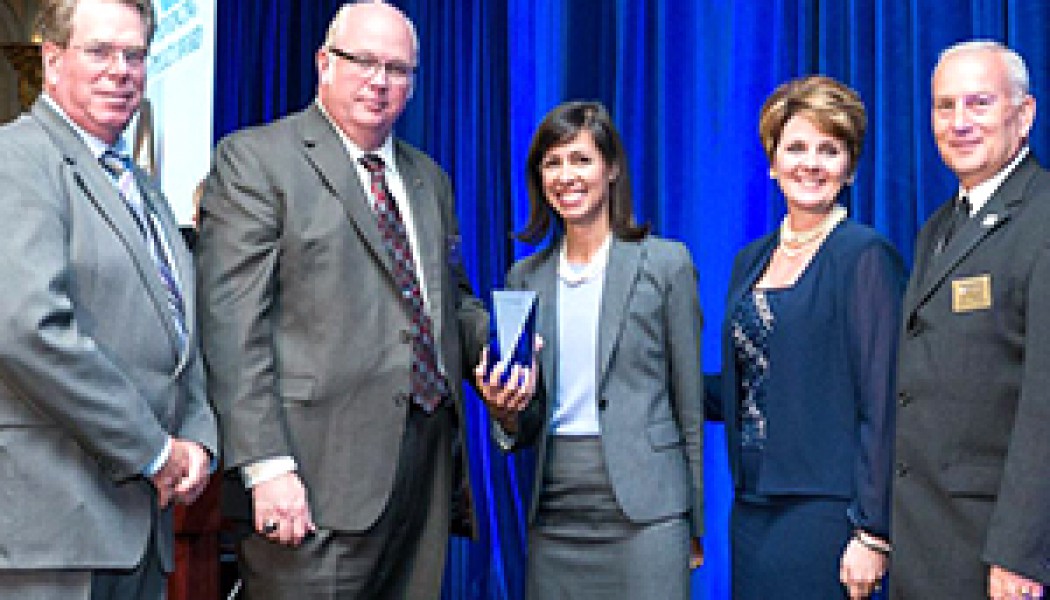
(561, 126)
(54, 22)
(833, 107)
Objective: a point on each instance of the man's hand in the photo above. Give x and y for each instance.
(183, 476)
(1007, 585)
(196, 477)
(281, 511)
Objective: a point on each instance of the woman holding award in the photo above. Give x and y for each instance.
(617, 418)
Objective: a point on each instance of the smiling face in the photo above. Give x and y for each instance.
(810, 166)
(576, 181)
(979, 119)
(99, 94)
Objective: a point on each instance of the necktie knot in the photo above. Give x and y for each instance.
(114, 163)
(373, 163)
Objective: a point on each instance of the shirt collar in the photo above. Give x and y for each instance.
(982, 192)
(385, 150)
(95, 145)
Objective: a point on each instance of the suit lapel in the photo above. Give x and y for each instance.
(996, 213)
(544, 282)
(100, 191)
(621, 272)
(427, 225)
(325, 151)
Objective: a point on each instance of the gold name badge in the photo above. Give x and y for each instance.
(972, 293)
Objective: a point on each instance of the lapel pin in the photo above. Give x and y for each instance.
(990, 220)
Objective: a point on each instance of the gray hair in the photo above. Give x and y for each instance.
(341, 15)
(1016, 70)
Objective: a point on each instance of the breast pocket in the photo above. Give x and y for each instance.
(968, 480)
(297, 390)
(663, 435)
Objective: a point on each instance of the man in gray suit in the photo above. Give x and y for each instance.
(103, 416)
(971, 499)
(337, 321)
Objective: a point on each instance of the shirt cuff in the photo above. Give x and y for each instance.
(266, 469)
(158, 462)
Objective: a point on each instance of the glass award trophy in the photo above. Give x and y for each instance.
(513, 329)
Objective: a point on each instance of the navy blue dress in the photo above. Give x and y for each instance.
(807, 398)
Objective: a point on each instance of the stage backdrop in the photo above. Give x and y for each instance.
(684, 80)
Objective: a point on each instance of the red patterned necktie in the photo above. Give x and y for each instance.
(429, 387)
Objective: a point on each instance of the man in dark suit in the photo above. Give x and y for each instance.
(103, 415)
(971, 501)
(337, 321)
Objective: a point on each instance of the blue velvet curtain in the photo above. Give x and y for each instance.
(684, 80)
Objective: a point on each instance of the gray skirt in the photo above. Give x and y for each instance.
(581, 544)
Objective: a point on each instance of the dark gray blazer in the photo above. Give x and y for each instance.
(649, 379)
(92, 376)
(307, 339)
(972, 485)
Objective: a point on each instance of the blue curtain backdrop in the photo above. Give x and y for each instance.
(684, 80)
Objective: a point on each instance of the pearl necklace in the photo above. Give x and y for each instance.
(793, 243)
(593, 268)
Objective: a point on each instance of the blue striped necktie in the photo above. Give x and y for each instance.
(119, 168)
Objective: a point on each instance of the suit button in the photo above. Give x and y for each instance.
(913, 326)
(903, 399)
(400, 399)
(405, 336)
(902, 469)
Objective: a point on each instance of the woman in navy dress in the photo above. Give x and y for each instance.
(808, 352)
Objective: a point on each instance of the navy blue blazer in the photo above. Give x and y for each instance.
(829, 395)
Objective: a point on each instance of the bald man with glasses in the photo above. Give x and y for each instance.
(339, 325)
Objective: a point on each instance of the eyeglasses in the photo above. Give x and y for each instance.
(977, 104)
(103, 54)
(368, 65)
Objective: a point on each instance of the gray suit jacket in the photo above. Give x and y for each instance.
(972, 486)
(649, 379)
(92, 376)
(307, 338)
